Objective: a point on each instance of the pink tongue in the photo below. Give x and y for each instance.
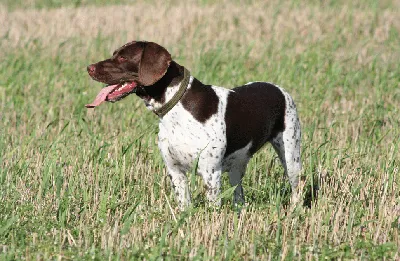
(101, 97)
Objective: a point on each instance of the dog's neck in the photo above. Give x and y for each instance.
(159, 94)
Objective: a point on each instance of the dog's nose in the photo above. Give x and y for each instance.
(91, 69)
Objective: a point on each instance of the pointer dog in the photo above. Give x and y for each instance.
(221, 127)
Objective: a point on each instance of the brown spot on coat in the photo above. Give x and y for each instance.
(254, 113)
(201, 101)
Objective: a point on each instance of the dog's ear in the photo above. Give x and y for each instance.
(154, 63)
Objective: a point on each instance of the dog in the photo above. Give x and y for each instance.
(216, 127)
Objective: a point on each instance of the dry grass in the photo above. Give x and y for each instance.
(191, 23)
(92, 184)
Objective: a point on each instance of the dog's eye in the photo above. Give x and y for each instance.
(122, 59)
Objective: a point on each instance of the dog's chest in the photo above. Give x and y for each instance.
(183, 139)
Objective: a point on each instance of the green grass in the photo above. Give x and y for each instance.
(91, 184)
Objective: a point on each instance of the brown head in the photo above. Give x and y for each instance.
(136, 64)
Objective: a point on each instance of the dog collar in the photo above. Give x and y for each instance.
(177, 96)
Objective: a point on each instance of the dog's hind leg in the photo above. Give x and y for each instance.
(287, 145)
(236, 164)
(236, 174)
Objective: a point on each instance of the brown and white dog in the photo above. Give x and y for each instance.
(220, 127)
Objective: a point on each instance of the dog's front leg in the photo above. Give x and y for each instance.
(180, 185)
(212, 181)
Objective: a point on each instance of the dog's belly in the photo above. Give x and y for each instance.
(237, 158)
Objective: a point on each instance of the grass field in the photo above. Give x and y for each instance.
(91, 184)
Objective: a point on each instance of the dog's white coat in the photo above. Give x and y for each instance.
(183, 140)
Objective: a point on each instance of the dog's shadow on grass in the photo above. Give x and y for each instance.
(310, 193)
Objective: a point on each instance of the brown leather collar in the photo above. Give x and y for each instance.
(177, 96)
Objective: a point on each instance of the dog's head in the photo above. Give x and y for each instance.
(132, 65)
